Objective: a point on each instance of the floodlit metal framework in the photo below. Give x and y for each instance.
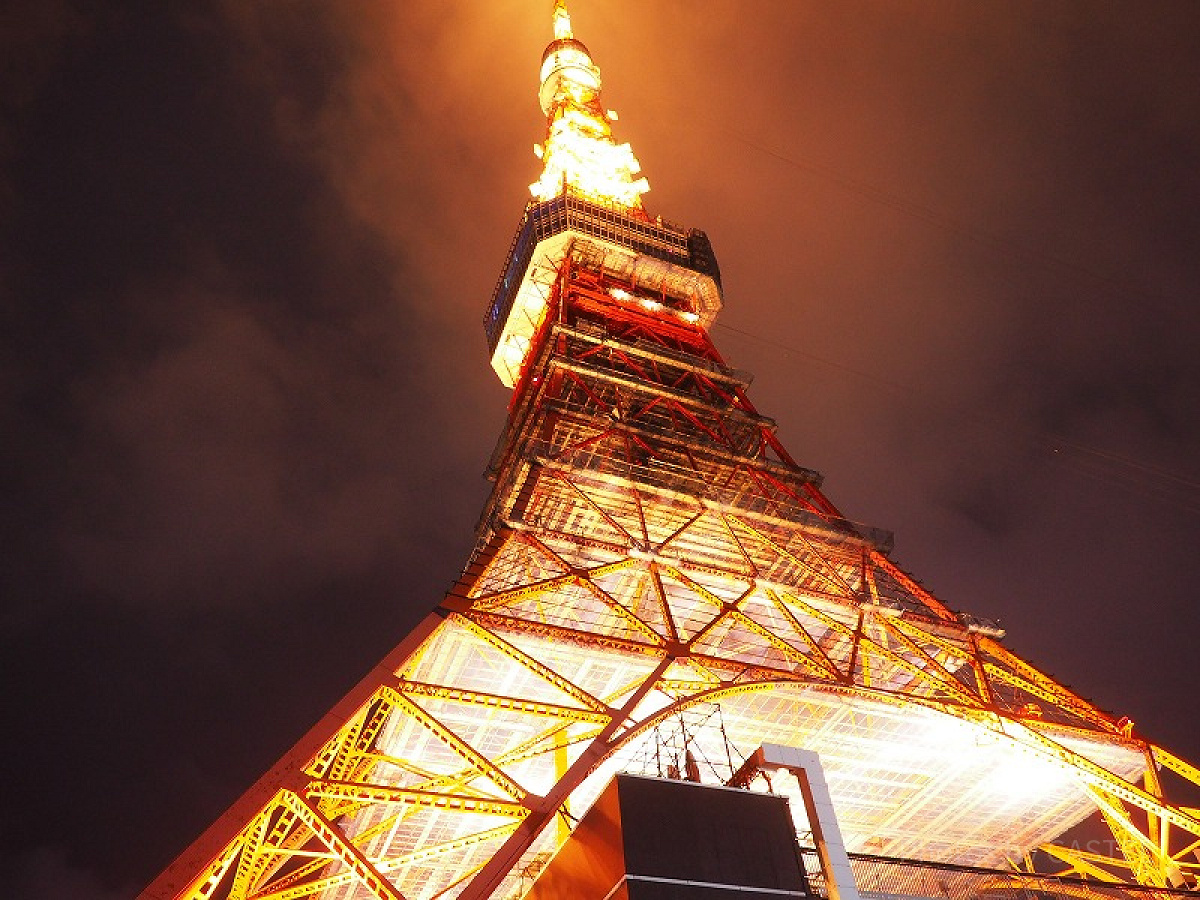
(649, 550)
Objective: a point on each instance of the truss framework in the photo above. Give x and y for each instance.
(650, 546)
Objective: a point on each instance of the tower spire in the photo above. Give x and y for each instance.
(652, 560)
(579, 154)
(562, 21)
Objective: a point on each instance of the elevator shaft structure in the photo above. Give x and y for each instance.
(650, 549)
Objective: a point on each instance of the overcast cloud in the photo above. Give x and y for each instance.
(246, 401)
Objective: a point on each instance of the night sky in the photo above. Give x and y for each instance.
(246, 403)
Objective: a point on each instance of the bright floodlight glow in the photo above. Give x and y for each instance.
(580, 153)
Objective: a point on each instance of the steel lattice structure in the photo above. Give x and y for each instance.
(650, 548)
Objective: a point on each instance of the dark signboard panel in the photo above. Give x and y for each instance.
(659, 839)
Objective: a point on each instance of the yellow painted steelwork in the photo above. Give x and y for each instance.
(650, 551)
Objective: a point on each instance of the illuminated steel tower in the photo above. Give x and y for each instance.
(658, 586)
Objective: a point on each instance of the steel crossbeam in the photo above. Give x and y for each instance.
(469, 754)
(364, 872)
(631, 447)
(474, 622)
(500, 701)
(378, 793)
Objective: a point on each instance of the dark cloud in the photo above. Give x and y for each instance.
(246, 253)
(46, 875)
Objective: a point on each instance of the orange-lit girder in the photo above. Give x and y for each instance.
(646, 550)
(583, 719)
(649, 550)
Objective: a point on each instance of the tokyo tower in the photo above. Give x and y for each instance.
(658, 587)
